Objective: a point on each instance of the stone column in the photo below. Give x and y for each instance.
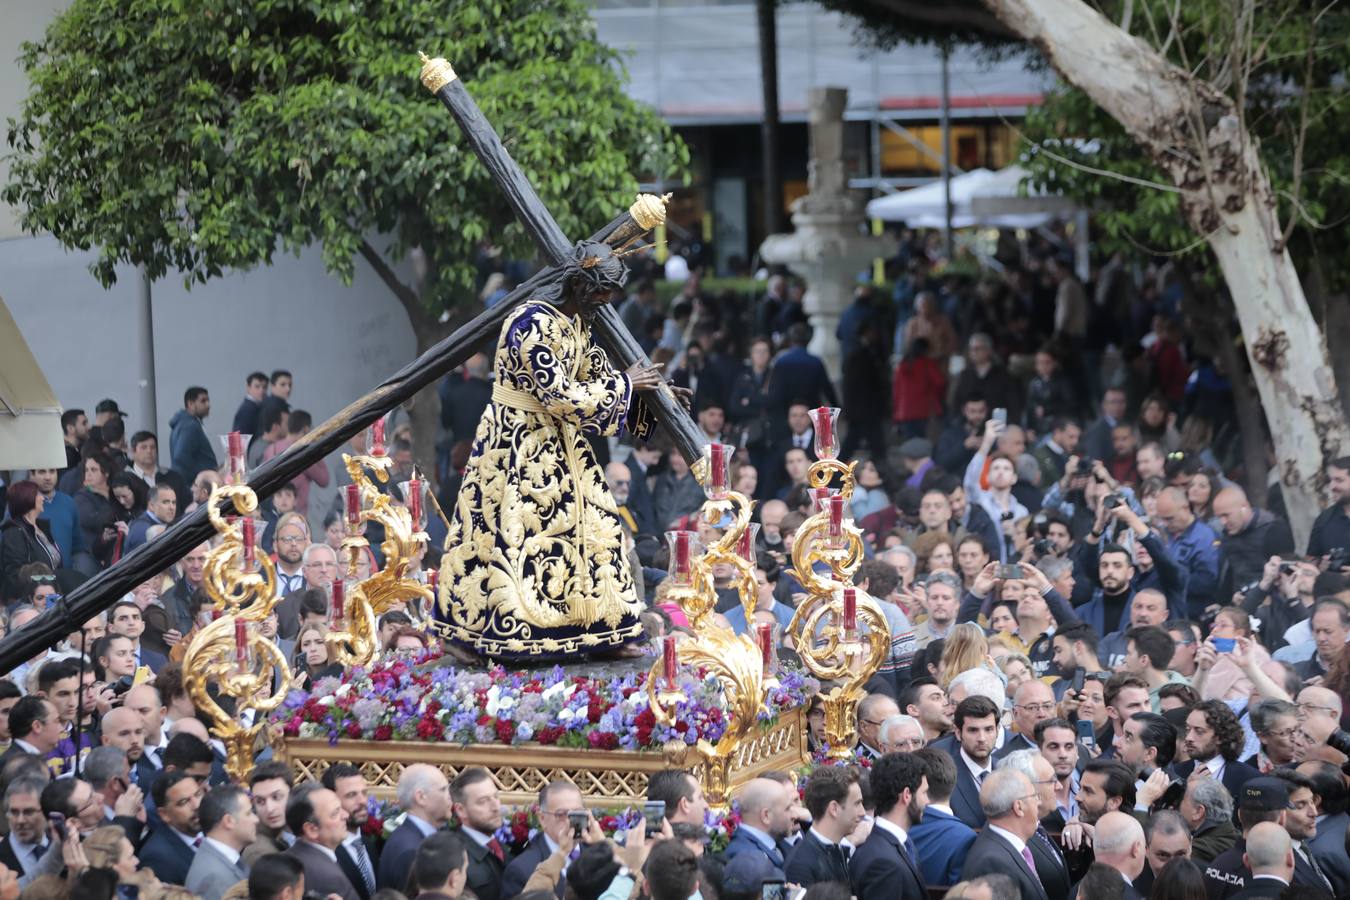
(830, 245)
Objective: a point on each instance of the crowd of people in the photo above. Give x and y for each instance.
(1111, 673)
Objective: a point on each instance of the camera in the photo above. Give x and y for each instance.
(1013, 571)
(1043, 547)
(1112, 500)
(1338, 558)
(1007, 516)
(654, 812)
(122, 685)
(577, 819)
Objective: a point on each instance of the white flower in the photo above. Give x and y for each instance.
(343, 690)
(565, 714)
(550, 693)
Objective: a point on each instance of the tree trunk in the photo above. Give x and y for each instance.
(1194, 133)
(767, 11)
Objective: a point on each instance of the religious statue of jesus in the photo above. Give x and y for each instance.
(534, 563)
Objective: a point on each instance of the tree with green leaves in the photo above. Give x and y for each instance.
(1221, 128)
(207, 136)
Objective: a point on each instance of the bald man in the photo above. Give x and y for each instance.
(1250, 537)
(124, 729)
(1270, 857)
(873, 710)
(1033, 702)
(766, 820)
(1194, 546)
(1119, 843)
(619, 479)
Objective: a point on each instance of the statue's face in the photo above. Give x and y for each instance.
(593, 300)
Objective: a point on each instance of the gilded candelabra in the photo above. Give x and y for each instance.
(231, 652)
(743, 665)
(840, 634)
(354, 610)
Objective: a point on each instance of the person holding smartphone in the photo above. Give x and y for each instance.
(557, 802)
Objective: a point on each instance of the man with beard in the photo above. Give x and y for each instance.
(477, 806)
(941, 840)
(972, 748)
(1073, 647)
(357, 856)
(1148, 744)
(926, 701)
(1057, 741)
(291, 538)
(1301, 823)
(1213, 740)
(1107, 611)
(766, 819)
(170, 850)
(1125, 695)
(569, 590)
(834, 799)
(124, 729)
(884, 867)
(1327, 847)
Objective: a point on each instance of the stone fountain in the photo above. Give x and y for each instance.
(830, 245)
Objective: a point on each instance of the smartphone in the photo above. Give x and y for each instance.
(1086, 736)
(654, 812)
(796, 893)
(1013, 571)
(577, 818)
(772, 890)
(1079, 676)
(128, 892)
(1225, 645)
(56, 823)
(1000, 415)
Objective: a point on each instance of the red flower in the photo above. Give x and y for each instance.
(384, 732)
(428, 729)
(520, 829)
(609, 824)
(549, 734)
(505, 731)
(603, 740)
(353, 730)
(484, 719)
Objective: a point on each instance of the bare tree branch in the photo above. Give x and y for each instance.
(412, 304)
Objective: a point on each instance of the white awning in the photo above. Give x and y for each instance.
(30, 418)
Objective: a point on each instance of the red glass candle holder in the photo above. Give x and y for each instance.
(825, 421)
(746, 547)
(236, 456)
(717, 457)
(683, 548)
(351, 508)
(375, 443)
(415, 492)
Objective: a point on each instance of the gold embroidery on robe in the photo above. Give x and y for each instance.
(533, 560)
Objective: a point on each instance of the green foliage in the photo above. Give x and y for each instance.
(1298, 53)
(204, 135)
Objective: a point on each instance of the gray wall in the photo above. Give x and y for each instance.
(339, 341)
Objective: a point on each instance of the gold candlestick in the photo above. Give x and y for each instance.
(845, 657)
(242, 594)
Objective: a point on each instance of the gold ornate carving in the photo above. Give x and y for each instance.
(649, 210)
(358, 643)
(828, 650)
(606, 779)
(212, 656)
(736, 660)
(436, 73)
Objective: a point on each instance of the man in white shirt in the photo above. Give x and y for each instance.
(229, 824)
(34, 727)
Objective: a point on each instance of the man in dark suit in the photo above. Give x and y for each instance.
(476, 804)
(1011, 807)
(1214, 740)
(246, 416)
(797, 375)
(941, 840)
(1328, 847)
(171, 847)
(766, 819)
(884, 867)
(1119, 843)
(1168, 838)
(1270, 856)
(425, 794)
(315, 817)
(971, 747)
(556, 800)
(441, 867)
(358, 855)
(834, 800)
(24, 846)
(1052, 868)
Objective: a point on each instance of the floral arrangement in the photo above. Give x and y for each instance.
(400, 699)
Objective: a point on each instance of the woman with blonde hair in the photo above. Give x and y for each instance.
(109, 848)
(966, 648)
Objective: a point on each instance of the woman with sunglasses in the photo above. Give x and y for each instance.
(41, 584)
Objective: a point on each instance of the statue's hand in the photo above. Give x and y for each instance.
(644, 378)
(685, 396)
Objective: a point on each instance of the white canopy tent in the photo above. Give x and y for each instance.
(983, 198)
(30, 417)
